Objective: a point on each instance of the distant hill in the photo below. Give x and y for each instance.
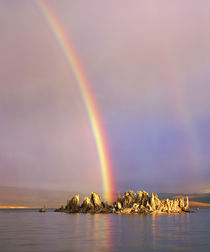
(199, 204)
(167, 195)
(14, 196)
(204, 197)
(197, 197)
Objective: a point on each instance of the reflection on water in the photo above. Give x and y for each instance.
(29, 230)
(173, 229)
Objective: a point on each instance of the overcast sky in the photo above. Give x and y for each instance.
(148, 64)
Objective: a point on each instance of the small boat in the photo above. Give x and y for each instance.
(42, 210)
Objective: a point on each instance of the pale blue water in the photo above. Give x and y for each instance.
(29, 230)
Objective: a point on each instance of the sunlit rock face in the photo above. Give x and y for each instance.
(87, 205)
(127, 200)
(73, 204)
(95, 199)
(152, 202)
(130, 203)
(119, 206)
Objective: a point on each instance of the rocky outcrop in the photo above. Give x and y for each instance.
(73, 204)
(139, 203)
(87, 205)
(96, 201)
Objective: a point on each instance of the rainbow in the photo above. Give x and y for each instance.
(186, 122)
(87, 97)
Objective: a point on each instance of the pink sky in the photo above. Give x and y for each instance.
(148, 64)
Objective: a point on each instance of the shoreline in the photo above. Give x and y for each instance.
(14, 207)
(198, 204)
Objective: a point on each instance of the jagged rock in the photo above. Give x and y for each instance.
(156, 196)
(145, 195)
(129, 203)
(141, 209)
(126, 211)
(187, 202)
(86, 205)
(130, 193)
(176, 205)
(95, 199)
(168, 205)
(157, 201)
(148, 206)
(181, 203)
(139, 197)
(186, 207)
(105, 204)
(119, 205)
(114, 211)
(135, 208)
(152, 202)
(73, 204)
(144, 202)
(128, 199)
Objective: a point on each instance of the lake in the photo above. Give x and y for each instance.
(29, 230)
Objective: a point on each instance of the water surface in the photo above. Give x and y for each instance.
(29, 230)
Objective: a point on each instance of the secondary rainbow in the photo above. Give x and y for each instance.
(86, 93)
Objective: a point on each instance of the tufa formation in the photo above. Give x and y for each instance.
(130, 203)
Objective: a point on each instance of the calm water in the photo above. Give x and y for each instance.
(29, 230)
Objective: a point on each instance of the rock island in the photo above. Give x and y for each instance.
(130, 203)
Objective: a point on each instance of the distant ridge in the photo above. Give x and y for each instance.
(193, 197)
(15, 196)
(199, 204)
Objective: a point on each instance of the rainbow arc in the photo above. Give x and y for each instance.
(86, 94)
